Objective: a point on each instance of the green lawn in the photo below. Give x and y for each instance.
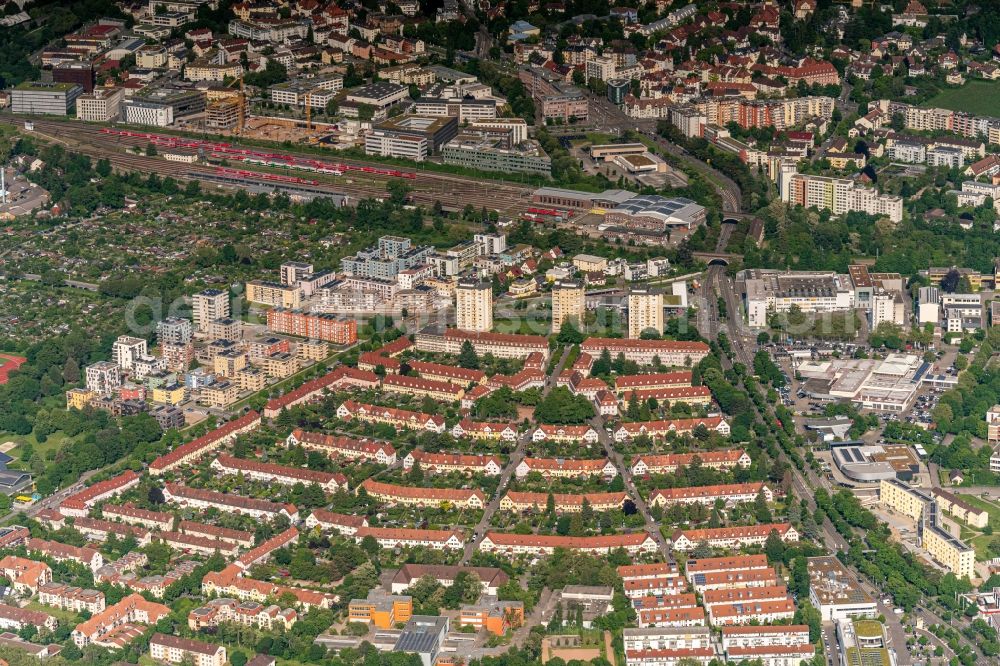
(991, 507)
(64, 616)
(976, 96)
(53, 442)
(974, 538)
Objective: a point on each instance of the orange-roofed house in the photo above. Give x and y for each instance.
(393, 494)
(25, 575)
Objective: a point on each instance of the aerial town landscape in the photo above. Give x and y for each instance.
(500, 332)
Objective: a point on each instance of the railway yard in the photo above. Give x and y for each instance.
(283, 170)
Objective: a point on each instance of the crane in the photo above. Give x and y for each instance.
(309, 111)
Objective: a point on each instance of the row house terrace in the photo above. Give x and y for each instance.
(447, 373)
(400, 418)
(197, 498)
(483, 430)
(98, 529)
(647, 570)
(453, 462)
(672, 584)
(732, 537)
(670, 352)
(737, 595)
(730, 493)
(662, 429)
(707, 565)
(343, 447)
(567, 434)
(500, 345)
(539, 544)
(422, 388)
(190, 543)
(272, 473)
(490, 578)
(656, 380)
(754, 612)
(689, 395)
(133, 515)
(527, 501)
(566, 468)
(671, 462)
(341, 377)
(193, 450)
(392, 537)
(79, 504)
(328, 521)
(393, 494)
(238, 537)
(60, 552)
(263, 552)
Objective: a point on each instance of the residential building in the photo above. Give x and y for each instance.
(177, 650)
(568, 303)
(430, 497)
(732, 537)
(381, 452)
(103, 377)
(209, 305)
(924, 509)
(474, 306)
(839, 196)
(670, 462)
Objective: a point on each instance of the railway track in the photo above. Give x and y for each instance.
(427, 187)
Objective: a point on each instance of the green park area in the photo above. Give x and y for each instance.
(987, 545)
(977, 97)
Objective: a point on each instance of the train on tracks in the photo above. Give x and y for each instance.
(226, 151)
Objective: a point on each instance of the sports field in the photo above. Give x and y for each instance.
(977, 97)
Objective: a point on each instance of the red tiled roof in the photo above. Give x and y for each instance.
(407, 534)
(304, 475)
(556, 541)
(653, 379)
(346, 443)
(250, 419)
(592, 465)
(732, 532)
(721, 490)
(373, 487)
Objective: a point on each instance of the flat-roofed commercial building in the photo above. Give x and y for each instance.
(44, 98)
(656, 213)
(835, 591)
(100, 106)
(486, 153)
(767, 291)
(386, 143)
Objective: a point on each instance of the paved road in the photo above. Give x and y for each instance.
(616, 457)
(516, 456)
(610, 118)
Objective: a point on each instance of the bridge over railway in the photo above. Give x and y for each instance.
(717, 258)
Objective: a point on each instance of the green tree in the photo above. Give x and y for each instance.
(467, 357)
